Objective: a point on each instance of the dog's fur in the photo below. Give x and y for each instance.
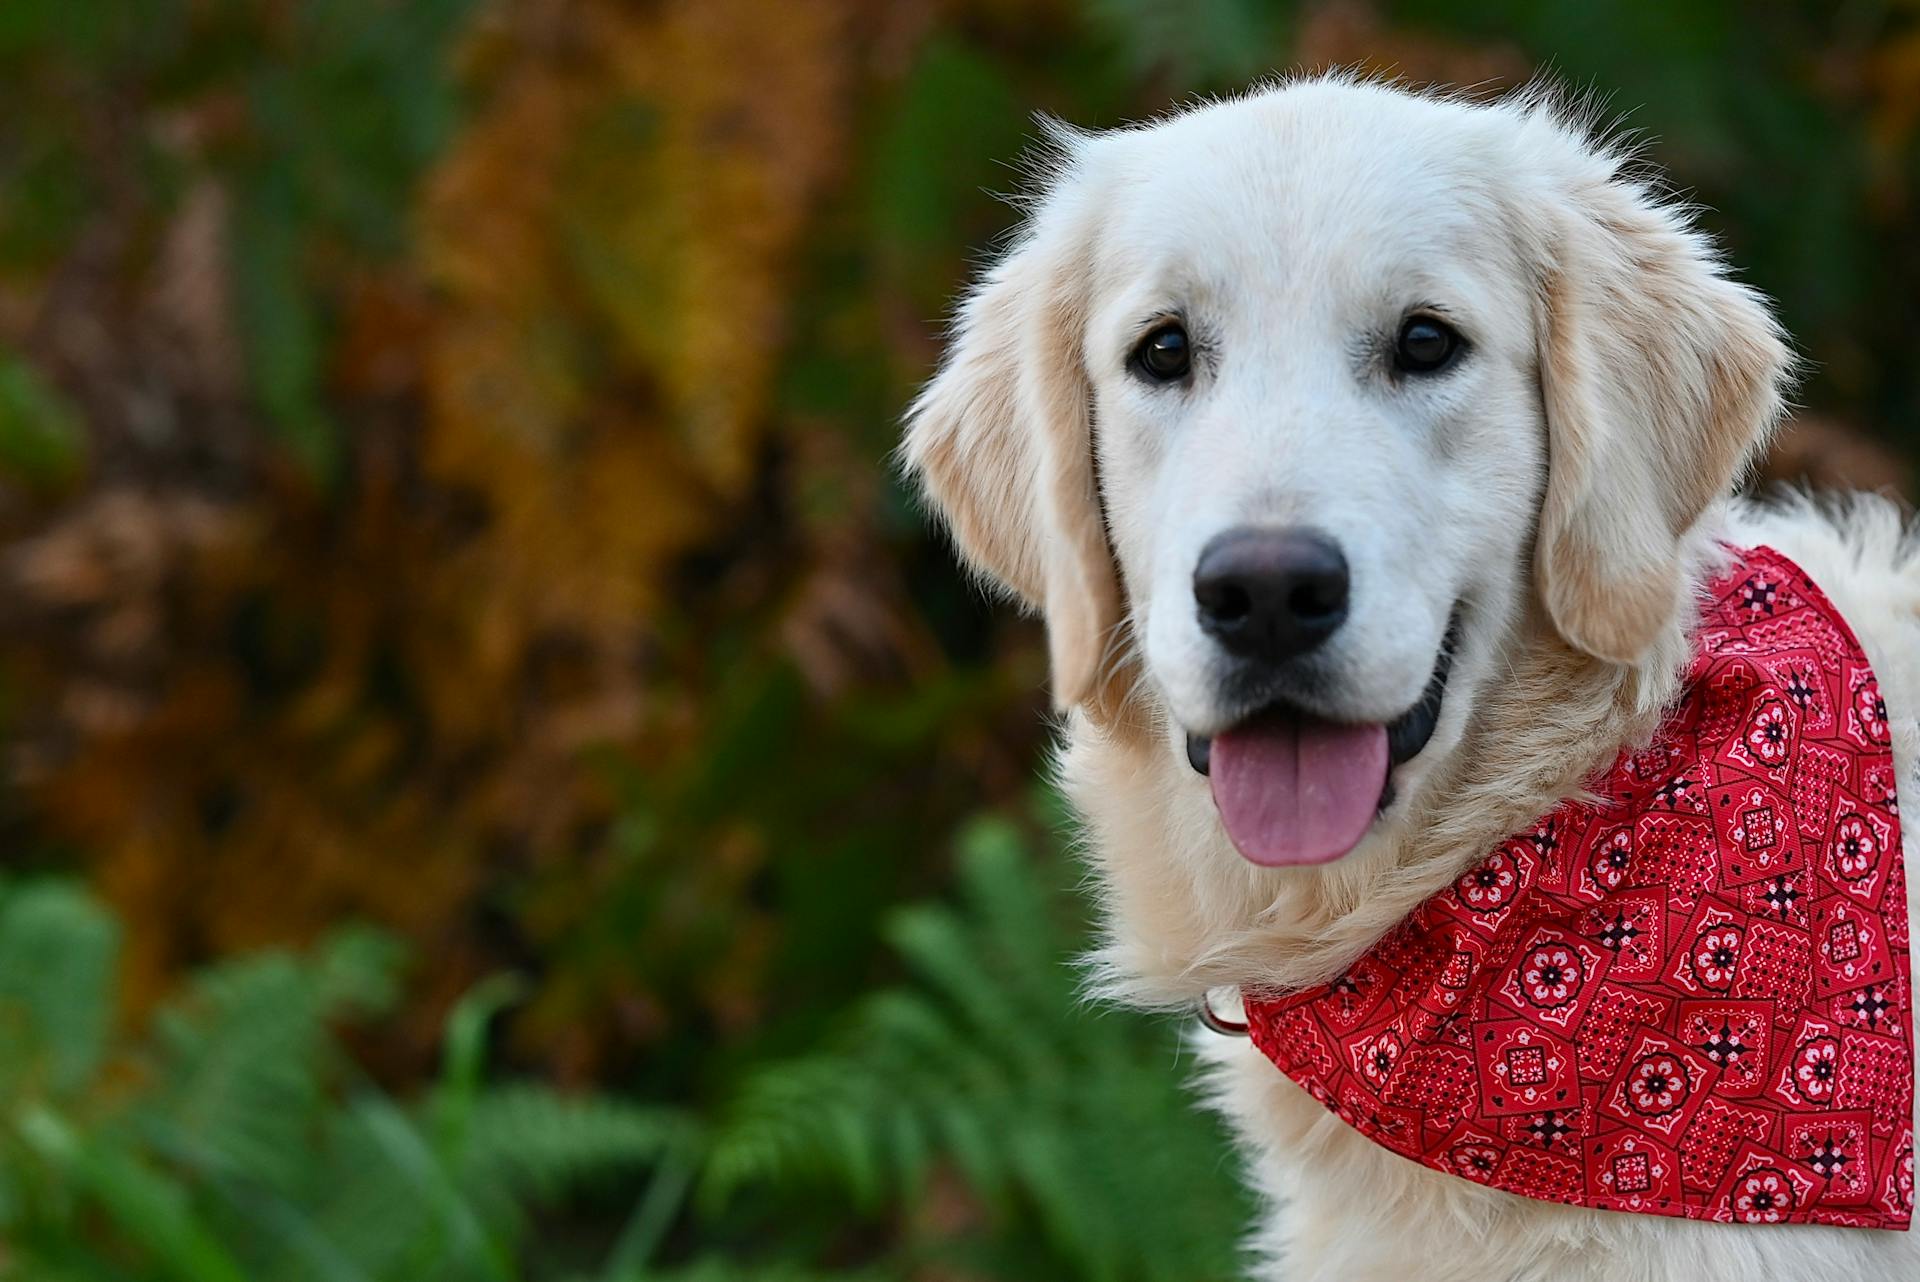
(1564, 484)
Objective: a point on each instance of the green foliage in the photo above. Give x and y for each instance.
(236, 1139)
(56, 963)
(353, 101)
(42, 444)
(1068, 1124)
(347, 101)
(1205, 45)
(958, 94)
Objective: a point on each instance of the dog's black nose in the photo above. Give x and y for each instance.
(1271, 594)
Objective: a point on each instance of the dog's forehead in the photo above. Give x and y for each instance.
(1252, 187)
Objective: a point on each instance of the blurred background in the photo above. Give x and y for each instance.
(500, 782)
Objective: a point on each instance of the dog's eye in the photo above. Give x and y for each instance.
(1424, 345)
(1165, 355)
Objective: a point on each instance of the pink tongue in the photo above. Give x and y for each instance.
(1291, 790)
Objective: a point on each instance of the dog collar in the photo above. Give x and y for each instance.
(1690, 997)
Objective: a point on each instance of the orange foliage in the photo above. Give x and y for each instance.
(566, 396)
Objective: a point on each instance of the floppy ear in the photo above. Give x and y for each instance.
(1001, 441)
(1659, 378)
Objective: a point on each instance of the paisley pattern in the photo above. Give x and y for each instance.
(1692, 998)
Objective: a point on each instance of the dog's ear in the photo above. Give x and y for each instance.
(1001, 442)
(1659, 377)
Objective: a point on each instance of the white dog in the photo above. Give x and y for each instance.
(1367, 454)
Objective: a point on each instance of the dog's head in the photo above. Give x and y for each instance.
(1288, 412)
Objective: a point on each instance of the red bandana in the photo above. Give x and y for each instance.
(1690, 998)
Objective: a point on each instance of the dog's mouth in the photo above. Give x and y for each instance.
(1294, 788)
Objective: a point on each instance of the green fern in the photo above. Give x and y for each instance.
(57, 954)
(532, 1142)
(1066, 1122)
(233, 1139)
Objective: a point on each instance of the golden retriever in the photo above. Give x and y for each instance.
(1418, 417)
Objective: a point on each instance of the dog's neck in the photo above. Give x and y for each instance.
(1185, 914)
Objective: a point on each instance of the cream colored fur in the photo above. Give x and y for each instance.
(1565, 485)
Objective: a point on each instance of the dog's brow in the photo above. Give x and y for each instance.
(1158, 316)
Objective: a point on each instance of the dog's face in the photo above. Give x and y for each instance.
(1320, 448)
(1287, 410)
